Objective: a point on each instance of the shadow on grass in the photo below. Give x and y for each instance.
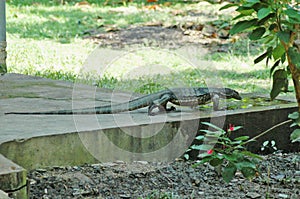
(64, 23)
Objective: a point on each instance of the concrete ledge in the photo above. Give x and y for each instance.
(4, 195)
(12, 179)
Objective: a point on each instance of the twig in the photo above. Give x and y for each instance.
(267, 131)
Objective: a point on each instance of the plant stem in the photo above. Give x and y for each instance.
(267, 131)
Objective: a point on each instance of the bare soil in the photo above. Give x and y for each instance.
(279, 178)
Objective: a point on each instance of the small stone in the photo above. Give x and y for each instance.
(142, 162)
(278, 177)
(201, 192)
(281, 195)
(253, 195)
(125, 196)
(41, 170)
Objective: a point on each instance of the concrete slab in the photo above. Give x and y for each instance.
(12, 179)
(45, 140)
(21, 93)
(4, 195)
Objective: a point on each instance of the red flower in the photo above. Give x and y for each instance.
(210, 151)
(231, 127)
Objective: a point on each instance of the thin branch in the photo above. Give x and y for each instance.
(267, 131)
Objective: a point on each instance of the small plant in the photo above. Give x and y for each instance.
(295, 117)
(269, 144)
(228, 155)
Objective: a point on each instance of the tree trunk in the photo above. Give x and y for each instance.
(293, 68)
(3, 68)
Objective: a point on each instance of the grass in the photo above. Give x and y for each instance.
(47, 40)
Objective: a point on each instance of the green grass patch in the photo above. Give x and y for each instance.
(47, 40)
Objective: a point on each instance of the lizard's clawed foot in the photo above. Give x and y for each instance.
(161, 109)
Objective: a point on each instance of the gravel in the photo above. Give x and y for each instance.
(279, 178)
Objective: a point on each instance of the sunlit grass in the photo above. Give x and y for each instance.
(47, 40)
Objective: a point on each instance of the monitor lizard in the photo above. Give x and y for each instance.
(178, 96)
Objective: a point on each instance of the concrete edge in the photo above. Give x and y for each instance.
(13, 179)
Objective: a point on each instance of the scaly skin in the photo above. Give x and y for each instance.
(178, 96)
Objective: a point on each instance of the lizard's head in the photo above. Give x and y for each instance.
(230, 93)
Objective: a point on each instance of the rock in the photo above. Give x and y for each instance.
(253, 195)
(281, 195)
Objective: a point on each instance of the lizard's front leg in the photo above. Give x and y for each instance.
(161, 104)
(215, 99)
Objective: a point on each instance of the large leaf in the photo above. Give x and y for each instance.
(294, 15)
(274, 67)
(229, 172)
(242, 26)
(246, 11)
(264, 55)
(284, 36)
(246, 163)
(280, 82)
(216, 162)
(294, 115)
(295, 136)
(248, 172)
(231, 157)
(278, 51)
(213, 126)
(228, 6)
(257, 33)
(295, 56)
(263, 12)
(262, 21)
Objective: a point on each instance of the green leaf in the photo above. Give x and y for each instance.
(228, 172)
(284, 36)
(242, 26)
(246, 11)
(248, 173)
(295, 136)
(238, 17)
(257, 33)
(293, 14)
(202, 147)
(295, 56)
(263, 12)
(246, 163)
(280, 82)
(231, 157)
(252, 155)
(200, 137)
(213, 126)
(265, 19)
(242, 138)
(278, 51)
(186, 156)
(235, 128)
(228, 6)
(263, 56)
(216, 162)
(251, 3)
(273, 67)
(294, 115)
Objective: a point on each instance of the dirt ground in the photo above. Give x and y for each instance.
(279, 178)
